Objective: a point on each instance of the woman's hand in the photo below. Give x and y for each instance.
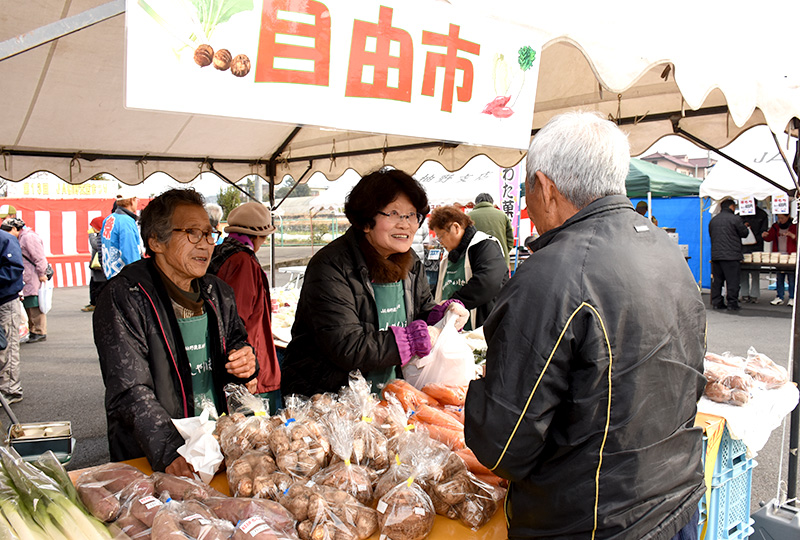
(461, 312)
(764, 234)
(43, 279)
(241, 362)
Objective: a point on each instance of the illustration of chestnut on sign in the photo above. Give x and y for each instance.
(239, 65)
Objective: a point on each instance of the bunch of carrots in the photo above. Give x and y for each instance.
(439, 408)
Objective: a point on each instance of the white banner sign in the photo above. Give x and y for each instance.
(780, 204)
(48, 186)
(405, 67)
(747, 206)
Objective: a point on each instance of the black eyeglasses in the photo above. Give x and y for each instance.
(396, 218)
(195, 235)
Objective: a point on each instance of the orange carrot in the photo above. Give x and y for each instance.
(446, 394)
(451, 437)
(474, 466)
(492, 479)
(407, 395)
(432, 415)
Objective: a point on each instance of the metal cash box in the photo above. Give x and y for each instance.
(34, 439)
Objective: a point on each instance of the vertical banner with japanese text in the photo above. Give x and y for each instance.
(415, 68)
(509, 194)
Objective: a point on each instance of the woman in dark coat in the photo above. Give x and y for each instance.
(365, 302)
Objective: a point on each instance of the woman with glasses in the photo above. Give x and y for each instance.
(365, 302)
(168, 335)
(474, 269)
(235, 262)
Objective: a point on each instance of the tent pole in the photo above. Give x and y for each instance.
(794, 423)
(650, 205)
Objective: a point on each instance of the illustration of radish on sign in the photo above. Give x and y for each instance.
(504, 76)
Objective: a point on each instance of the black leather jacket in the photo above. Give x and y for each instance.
(336, 324)
(144, 364)
(593, 372)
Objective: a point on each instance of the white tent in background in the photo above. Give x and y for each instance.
(756, 150)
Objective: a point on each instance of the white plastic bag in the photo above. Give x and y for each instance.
(46, 296)
(450, 362)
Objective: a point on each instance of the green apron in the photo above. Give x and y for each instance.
(391, 302)
(455, 277)
(195, 337)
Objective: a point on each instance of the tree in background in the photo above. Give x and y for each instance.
(302, 190)
(228, 198)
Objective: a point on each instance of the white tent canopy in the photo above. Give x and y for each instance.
(479, 175)
(63, 101)
(727, 179)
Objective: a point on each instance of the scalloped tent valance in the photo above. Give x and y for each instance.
(63, 101)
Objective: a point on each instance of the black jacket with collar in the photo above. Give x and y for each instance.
(726, 230)
(593, 372)
(336, 324)
(144, 363)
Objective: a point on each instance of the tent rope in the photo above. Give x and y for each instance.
(4, 153)
(333, 156)
(75, 159)
(385, 149)
(140, 163)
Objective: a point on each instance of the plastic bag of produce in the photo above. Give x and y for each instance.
(334, 514)
(369, 444)
(251, 474)
(345, 473)
(298, 443)
(239, 434)
(181, 488)
(727, 381)
(237, 510)
(240, 400)
(450, 361)
(763, 369)
(189, 520)
(100, 488)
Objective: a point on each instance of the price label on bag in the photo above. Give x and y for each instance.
(747, 206)
(780, 204)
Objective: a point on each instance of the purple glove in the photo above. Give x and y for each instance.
(413, 340)
(437, 313)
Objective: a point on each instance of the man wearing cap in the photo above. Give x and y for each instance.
(97, 279)
(234, 261)
(493, 222)
(7, 211)
(120, 239)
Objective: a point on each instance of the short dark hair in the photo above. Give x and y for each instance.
(156, 219)
(727, 203)
(377, 190)
(443, 216)
(483, 197)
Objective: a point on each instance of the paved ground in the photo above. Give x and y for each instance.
(61, 376)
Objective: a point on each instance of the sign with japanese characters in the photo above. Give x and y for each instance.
(406, 67)
(747, 206)
(509, 193)
(780, 204)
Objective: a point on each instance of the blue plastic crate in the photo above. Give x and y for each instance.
(729, 513)
(731, 459)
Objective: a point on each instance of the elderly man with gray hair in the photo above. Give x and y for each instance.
(595, 357)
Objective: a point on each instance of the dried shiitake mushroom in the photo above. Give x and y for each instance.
(203, 55)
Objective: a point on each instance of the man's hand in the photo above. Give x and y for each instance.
(764, 234)
(180, 467)
(43, 279)
(241, 362)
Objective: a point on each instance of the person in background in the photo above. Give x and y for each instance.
(168, 336)
(783, 235)
(750, 285)
(235, 262)
(97, 279)
(11, 269)
(215, 217)
(641, 209)
(7, 211)
(585, 408)
(726, 231)
(493, 222)
(365, 302)
(34, 275)
(473, 271)
(120, 239)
